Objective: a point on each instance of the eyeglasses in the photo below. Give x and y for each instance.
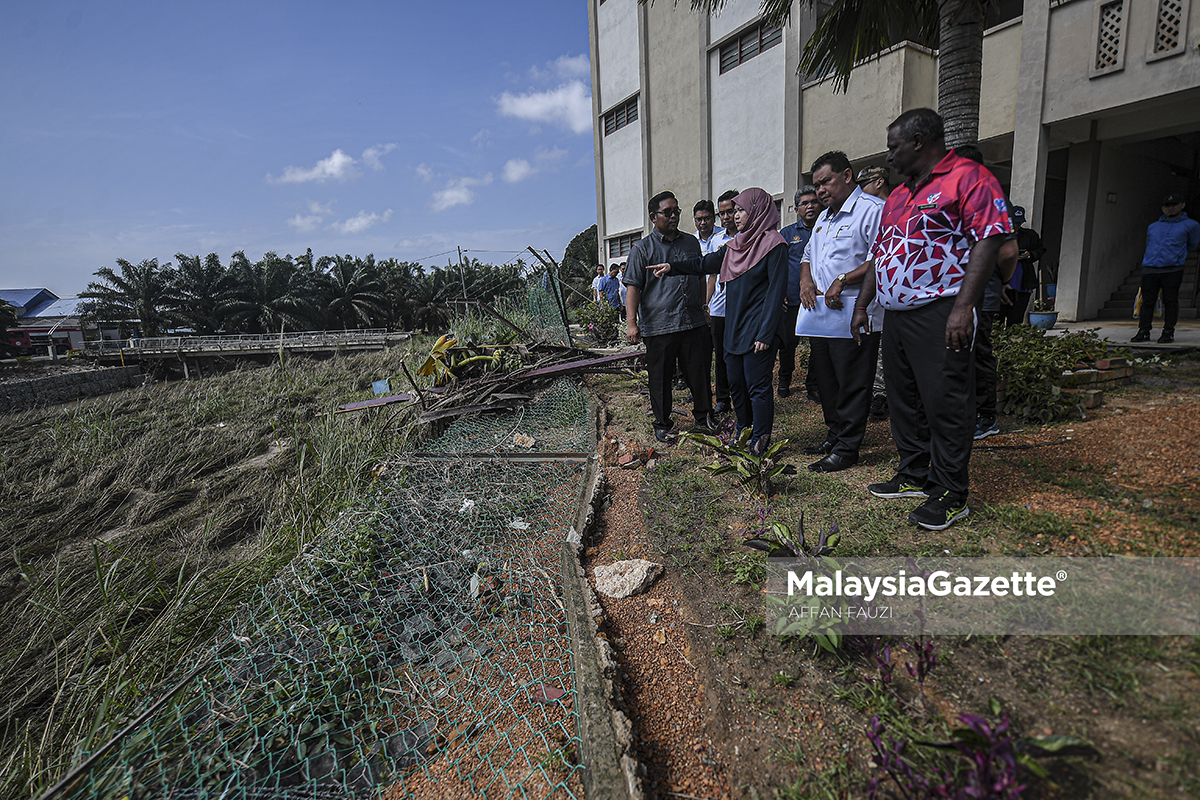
(670, 212)
(704, 218)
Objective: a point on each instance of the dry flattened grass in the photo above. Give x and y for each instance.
(132, 524)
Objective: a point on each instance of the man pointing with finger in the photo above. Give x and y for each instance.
(937, 247)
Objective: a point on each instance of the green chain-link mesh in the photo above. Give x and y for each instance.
(420, 649)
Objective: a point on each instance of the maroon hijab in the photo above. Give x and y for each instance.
(760, 237)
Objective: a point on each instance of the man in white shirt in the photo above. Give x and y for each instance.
(835, 261)
(711, 237)
(596, 281)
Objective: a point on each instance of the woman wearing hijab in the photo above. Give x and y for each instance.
(753, 267)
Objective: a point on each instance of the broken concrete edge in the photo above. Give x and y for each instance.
(607, 752)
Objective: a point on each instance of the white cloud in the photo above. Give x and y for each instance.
(360, 222)
(425, 172)
(481, 139)
(570, 105)
(323, 210)
(517, 170)
(338, 166)
(458, 192)
(564, 68)
(371, 155)
(304, 224)
(573, 66)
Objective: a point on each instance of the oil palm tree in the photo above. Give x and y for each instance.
(270, 295)
(141, 294)
(354, 294)
(852, 30)
(200, 288)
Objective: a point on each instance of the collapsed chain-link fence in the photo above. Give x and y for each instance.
(421, 649)
(527, 304)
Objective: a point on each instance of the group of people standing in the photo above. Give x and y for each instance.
(870, 275)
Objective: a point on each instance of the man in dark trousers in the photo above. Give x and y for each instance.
(796, 235)
(1024, 279)
(668, 313)
(834, 264)
(1168, 242)
(937, 246)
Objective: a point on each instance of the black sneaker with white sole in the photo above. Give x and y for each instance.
(896, 488)
(939, 513)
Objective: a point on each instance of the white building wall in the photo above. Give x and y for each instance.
(747, 122)
(735, 14)
(623, 210)
(618, 46)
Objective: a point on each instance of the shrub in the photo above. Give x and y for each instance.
(1032, 363)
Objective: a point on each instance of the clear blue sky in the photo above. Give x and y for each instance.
(141, 129)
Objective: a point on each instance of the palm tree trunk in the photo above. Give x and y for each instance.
(960, 69)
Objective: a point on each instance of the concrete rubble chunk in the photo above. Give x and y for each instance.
(626, 578)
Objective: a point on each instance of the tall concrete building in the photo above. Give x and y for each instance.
(1089, 115)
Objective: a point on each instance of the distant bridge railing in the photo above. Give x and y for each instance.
(244, 342)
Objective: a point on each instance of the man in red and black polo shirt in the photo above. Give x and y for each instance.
(937, 245)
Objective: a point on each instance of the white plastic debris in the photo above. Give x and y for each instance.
(519, 524)
(468, 508)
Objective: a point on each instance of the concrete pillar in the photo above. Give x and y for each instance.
(597, 132)
(1083, 178)
(1031, 141)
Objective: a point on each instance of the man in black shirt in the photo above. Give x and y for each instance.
(668, 313)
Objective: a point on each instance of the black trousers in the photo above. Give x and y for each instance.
(693, 351)
(1015, 314)
(751, 390)
(931, 397)
(845, 373)
(1153, 281)
(787, 350)
(718, 344)
(985, 366)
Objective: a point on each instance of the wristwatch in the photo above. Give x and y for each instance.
(842, 278)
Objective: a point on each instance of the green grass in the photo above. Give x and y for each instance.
(132, 525)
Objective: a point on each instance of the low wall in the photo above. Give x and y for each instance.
(22, 395)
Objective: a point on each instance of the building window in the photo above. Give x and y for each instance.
(748, 45)
(1168, 27)
(621, 116)
(1110, 37)
(619, 246)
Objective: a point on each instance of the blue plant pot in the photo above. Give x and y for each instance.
(1051, 290)
(1043, 319)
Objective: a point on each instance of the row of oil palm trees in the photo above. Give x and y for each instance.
(204, 296)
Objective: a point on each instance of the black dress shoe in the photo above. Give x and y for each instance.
(833, 463)
(665, 435)
(1141, 336)
(822, 449)
(814, 395)
(784, 390)
(707, 424)
(721, 408)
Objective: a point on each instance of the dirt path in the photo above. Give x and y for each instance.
(723, 709)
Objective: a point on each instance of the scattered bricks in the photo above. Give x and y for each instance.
(1083, 377)
(1122, 371)
(1090, 398)
(629, 461)
(1112, 363)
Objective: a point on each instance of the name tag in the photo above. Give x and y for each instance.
(927, 207)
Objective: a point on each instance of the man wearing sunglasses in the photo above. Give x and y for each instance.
(668, 314)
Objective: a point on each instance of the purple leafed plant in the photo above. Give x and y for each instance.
(992, 771)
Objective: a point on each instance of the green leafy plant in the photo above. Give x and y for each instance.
(795, 615)
(1031, 365)
(756, 472)
(601, 322)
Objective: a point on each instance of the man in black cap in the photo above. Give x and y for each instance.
(1168, 242)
